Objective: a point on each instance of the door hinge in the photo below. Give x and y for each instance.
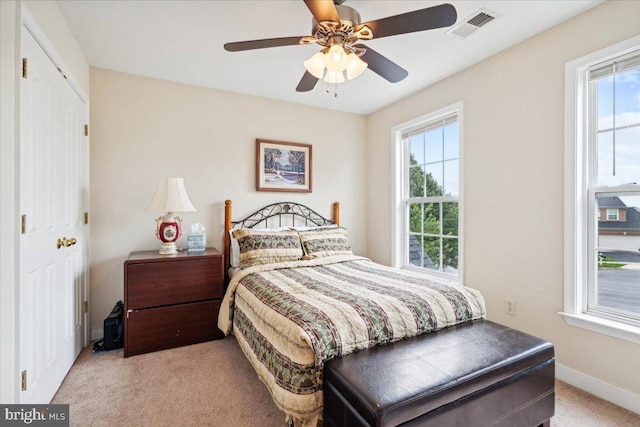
(86, 130)
(85, 307)
(86, 217)
(25, 64)
(24, 380)
(24, 224)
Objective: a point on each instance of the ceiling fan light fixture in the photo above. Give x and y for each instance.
(355, 66)
(315, 65)
(334, 77)
(336, 59)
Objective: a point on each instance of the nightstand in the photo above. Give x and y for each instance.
(171, 301)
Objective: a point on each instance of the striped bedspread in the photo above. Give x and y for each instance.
(290, 318)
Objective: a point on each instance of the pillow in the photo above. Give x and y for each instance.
(266, 246)
(324, 241)
(234, 259)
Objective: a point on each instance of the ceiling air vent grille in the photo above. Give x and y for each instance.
(473, 23)
(480, 19)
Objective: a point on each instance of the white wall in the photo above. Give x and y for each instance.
(48, 17)
(513, 183)
(144, 128)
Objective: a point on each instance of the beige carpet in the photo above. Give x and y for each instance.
(212, 384)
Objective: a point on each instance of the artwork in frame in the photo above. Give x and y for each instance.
(283, 166)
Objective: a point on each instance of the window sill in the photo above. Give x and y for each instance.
(604, 326)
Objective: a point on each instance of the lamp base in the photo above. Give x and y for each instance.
(168, 248)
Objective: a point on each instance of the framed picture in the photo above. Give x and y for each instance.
(283, 166)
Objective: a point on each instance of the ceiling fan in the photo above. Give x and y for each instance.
(337, 28)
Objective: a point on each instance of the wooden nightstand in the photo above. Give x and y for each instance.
(171, 300)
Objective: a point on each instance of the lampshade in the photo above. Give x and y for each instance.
(330, 65)
(334, 77)
(170, 196)
(336, 59)
(355, 66)
(315, 65)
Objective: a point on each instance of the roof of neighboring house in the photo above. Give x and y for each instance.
(610, 202)
(632, 222)
(416, 251)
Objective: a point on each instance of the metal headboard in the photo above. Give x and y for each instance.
(306, 215)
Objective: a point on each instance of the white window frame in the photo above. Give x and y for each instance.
(399, 168)
(612, 214)
(577, 236)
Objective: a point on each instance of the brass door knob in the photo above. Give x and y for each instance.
(66, 242)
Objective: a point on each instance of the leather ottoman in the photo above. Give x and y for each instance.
(475, 374)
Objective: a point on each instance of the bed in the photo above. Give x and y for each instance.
(300, 298)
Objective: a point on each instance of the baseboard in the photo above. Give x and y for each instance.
(97, 334)
(599, 388)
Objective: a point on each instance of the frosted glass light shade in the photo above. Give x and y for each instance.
(315, 65)
(334, 77)
(355, 66)
(170, 196)
(336, 59)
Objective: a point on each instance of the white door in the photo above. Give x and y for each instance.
(53, 243)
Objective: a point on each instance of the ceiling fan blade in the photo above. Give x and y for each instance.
(307, 83)
(261, 44)
(382, 66)
(323, 10)
(430, 18)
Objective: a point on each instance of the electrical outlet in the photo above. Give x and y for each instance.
(510, 306)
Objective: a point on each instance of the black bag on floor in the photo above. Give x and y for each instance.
(113, 330)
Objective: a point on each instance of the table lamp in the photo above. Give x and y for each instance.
(170, 197)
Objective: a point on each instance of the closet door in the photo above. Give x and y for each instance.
(53, 243)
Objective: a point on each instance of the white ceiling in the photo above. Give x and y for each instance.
(183, 41)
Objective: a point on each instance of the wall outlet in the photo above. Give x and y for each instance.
(510, 306)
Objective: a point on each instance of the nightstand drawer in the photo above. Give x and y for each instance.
(167, 327)
(173, 282)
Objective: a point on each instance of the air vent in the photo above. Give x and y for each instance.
(474, 22)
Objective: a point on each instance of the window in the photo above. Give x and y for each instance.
(612, 214)
(602, 205)
(427, 169)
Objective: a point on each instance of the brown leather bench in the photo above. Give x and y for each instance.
(476, 374)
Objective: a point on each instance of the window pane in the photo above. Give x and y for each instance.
(605, 159)
(451, 178)
(450, 254)
(450, 219)
(416, 181)
(618, 281)
(627, 97)
(432, 218)
(627, 157)
(605, 103)
(433, 177)
(415, 217)
(431, 258)
(416, 152)
(451, 141)
(434, 145)
(416, 253)
(628, 154)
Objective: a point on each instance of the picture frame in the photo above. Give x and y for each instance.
(283, 166)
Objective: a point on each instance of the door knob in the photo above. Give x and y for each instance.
(66, 242)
